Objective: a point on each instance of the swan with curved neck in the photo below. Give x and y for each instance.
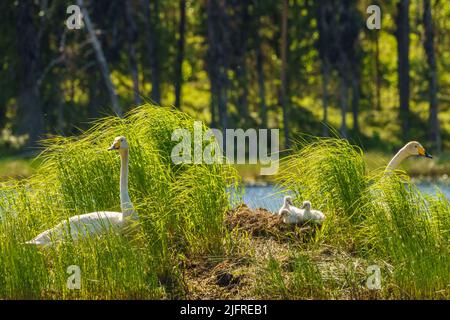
(412, 148)
(99, 222)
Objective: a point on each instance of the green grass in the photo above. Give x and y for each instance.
(410, 231)
(180, 206)
(371, 219)
(375, 217)
(17, 168)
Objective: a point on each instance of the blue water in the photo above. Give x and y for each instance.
(269, 197)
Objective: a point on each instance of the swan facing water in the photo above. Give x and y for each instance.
(293, 215)
(99, 222)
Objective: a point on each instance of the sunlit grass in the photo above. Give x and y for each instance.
(372, 218)
(379, 217)
(181, 209)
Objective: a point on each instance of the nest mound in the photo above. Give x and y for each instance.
(262, 223)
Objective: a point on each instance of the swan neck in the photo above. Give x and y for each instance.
(287, 206)
(125, 202)
(397, 160)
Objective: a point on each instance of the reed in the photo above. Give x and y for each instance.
(181, 210)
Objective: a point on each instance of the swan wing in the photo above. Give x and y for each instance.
(94, 223)
(88, 224)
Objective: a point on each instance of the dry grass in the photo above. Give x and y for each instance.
(263, 223)
(260, 237)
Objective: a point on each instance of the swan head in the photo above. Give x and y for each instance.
(288, 200)
(306, 205)
(119, 143)
(414, 148)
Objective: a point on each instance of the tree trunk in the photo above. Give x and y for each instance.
(355, 100)
(212, 66)
(217, 58)
(101, 60)
(434, 131)
(261, 80)
(344, 105)
(284, 101)
(325, 68)
(378, 72)
(402, 35)
(180, 56)
(214, 103)
(241, 67)
(152, 48)
(323, 48)
(132, 38)
(29, 117)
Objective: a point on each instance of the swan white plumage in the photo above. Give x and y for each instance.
(412, 148)
(287, 211)
(95, 223)
(294, 215)
(312, 215)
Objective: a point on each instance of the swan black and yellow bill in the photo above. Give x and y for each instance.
(424, 153)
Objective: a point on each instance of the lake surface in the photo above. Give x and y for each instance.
(269, 197)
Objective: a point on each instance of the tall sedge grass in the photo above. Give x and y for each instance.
(180, 206)
(379, 217)
(410, 231)
(331, 174)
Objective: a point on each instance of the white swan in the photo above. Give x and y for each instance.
(289, 213)
(95, 223)
(294, 215)
(312, 215)
(412, 148)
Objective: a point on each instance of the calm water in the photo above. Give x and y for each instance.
(268, 197)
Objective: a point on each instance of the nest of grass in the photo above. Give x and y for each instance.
(263, 223)
(207, 279)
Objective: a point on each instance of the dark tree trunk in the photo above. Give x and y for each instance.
(214, 102)
(355, 99)
(261, 80)
(241, 67)
(343, 94)
(434, 131)
(101, 60)
(323, 45)
(212, 67)
(378, 72)
(29, 117)
(180, 56)
(325, 69)
(402, 35)
(284, 100)
(149, 24)
(217, 58)
(132, 39)
(94, 82)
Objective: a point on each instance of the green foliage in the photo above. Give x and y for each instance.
(381, 217)
(181, 210)
(331, 174)
(410, 231)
